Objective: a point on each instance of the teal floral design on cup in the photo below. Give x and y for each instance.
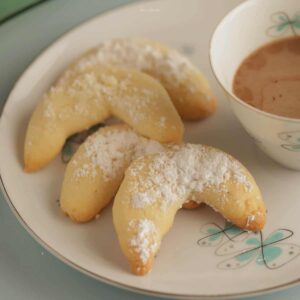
(242, 247)
(283, 23)
(291, 140)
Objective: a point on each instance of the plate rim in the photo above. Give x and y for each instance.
(74, 265)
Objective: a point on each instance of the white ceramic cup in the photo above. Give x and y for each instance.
(243, 30)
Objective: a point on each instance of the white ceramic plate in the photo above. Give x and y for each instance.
(192, 262)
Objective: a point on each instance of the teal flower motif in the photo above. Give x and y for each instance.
(214, 234)
(291, 140)
(271, 252)
(295, 148)
(74, 141)
(283, 23)
(243, 247)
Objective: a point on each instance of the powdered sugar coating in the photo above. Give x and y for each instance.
(109, 151)
(101, 87)
(145, 241)
(185, 170)
(49, 112)
(141, 54)
(80, 90)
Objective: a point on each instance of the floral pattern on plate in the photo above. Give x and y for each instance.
(241, 247)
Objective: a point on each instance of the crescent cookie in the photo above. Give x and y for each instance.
(83, 98)
(156, 186)
(186, 85)
(97, 168)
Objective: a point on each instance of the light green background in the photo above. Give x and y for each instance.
(27, 271)
(8, 7)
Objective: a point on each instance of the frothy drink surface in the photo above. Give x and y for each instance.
(269, 78)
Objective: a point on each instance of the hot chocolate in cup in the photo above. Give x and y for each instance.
(245, 29)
